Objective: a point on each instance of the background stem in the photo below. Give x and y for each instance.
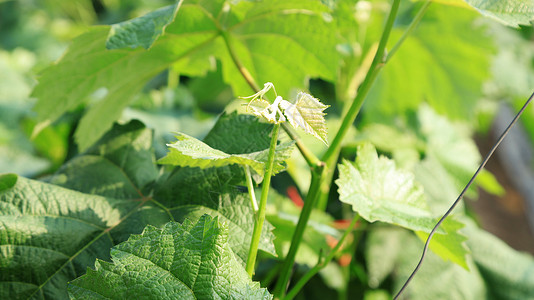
(320, 265)
(287, 266)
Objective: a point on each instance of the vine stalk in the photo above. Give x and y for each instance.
(260, 216)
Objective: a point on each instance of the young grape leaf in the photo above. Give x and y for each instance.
(307, 113)
(380, 192)
(178, 261)
(200, 31)
(142, 31)
(190, 152)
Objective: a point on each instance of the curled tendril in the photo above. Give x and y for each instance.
(259, 95)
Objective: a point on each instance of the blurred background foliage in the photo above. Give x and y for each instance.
(445, 86)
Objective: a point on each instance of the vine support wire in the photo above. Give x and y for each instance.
(482, 165)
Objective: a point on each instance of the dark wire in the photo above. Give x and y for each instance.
(462, 194)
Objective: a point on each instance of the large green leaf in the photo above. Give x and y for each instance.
(378, 191)
(431, 66)
(179, 261)
(51, 234)
(142, 31)
(201, 30)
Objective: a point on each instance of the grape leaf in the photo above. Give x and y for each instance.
(190, 152)
(508, 12)
(380, 192)
(307, 113)
(432, 64)
(49, 235)
(201, 30)
(52, 234)
(185, 261)
(142, 31)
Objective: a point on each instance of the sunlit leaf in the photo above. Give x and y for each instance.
(200, 31)
(142, 31)
(307, 114)
(378, 191)
(190, 152)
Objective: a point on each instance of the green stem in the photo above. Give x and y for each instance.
(320, 265)
(260, 216)
(374, 70)
(309, 204)
(250, 187)
(331, 155)
(409, 30)
(379, 61)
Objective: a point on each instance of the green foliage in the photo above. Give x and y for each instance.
(200, 30)
(53, 233)
(378, 191)
(190, 152)
(510, 12)
(117, 219)
(142, 31)
(439, 48)
(186, 261)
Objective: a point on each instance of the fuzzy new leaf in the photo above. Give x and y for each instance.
(307, 113)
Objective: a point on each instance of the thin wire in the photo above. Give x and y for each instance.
(427, 243)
